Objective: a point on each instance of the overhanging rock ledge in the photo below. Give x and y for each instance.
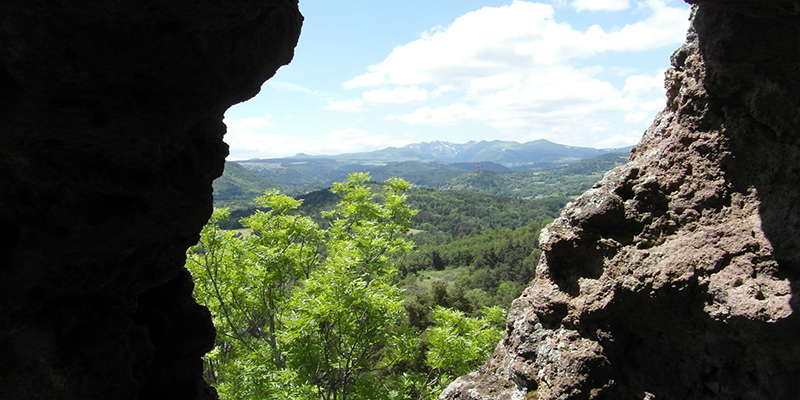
(110, 135)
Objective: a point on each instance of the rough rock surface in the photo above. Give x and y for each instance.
(110, 135)
(678, 275)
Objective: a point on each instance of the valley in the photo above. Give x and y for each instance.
(529, 170)
(433, 260)
(477, 223)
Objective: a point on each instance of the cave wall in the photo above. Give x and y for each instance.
(678, 275)
(110, 135)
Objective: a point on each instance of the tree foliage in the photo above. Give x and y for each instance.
(342, 317)
(459, 343)
(313, 311)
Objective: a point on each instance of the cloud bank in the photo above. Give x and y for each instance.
(525, 74)
(600, 5)
(258, 138)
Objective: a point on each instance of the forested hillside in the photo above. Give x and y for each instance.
(313, 308)
(479, 234)
(431, 269)
(238, 187)
(570, 180)
(303, 176)
(533, 155)
(448, 214)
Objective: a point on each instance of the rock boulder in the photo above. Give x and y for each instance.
(678, 275)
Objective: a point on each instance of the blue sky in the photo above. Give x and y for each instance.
(373, 74)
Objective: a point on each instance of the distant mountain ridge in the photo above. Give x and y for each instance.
(296, 176)
(534, 155)
(441, 150)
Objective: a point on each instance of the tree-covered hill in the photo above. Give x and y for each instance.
(570, 180)
(443, 215)
(308, 310)
(431, 164)
(304, 176)
(534, 155)
(429, 174)
(238, 186)
(468, 254)
(447, 214)
(300, 173)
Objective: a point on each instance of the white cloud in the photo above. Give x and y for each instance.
(645, 97)
(559, 3)
(352, 106)
(288, 86)
(400, 95)
(511, 38)
(255, 138)
(642, 87)
(555, 96)
(293, 87)
(664, 26)
(353, 140)
(600, 5)
(250, 138)
(249, 144)
(453, 114)
(248, 123)
(368, 79)
(522, 72)
(476, 44)
(623, 71)
(618, 140)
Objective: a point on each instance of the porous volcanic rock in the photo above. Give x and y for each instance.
(678, 275)
(110, 135)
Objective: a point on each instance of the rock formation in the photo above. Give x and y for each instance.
(677, 276)
(110, 135)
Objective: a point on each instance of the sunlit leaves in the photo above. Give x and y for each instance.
(343, 316)
(301, 311)
(459, 343)
(305, 312)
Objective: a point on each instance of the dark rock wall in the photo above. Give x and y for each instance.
(678, 275)
(110, 136)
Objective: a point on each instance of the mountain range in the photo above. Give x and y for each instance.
(534, 155)
(526, 170)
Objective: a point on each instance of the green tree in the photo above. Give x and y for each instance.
(458, 343)
(246, 282)
(349, 310)
(507, 291)
(455, 345)
(303, 312)
(224, 291)
(284, 248)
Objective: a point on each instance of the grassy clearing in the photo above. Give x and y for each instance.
(421, 281)
(245, 232)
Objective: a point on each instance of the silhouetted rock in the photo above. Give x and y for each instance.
(677, 276)
(110, 135)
